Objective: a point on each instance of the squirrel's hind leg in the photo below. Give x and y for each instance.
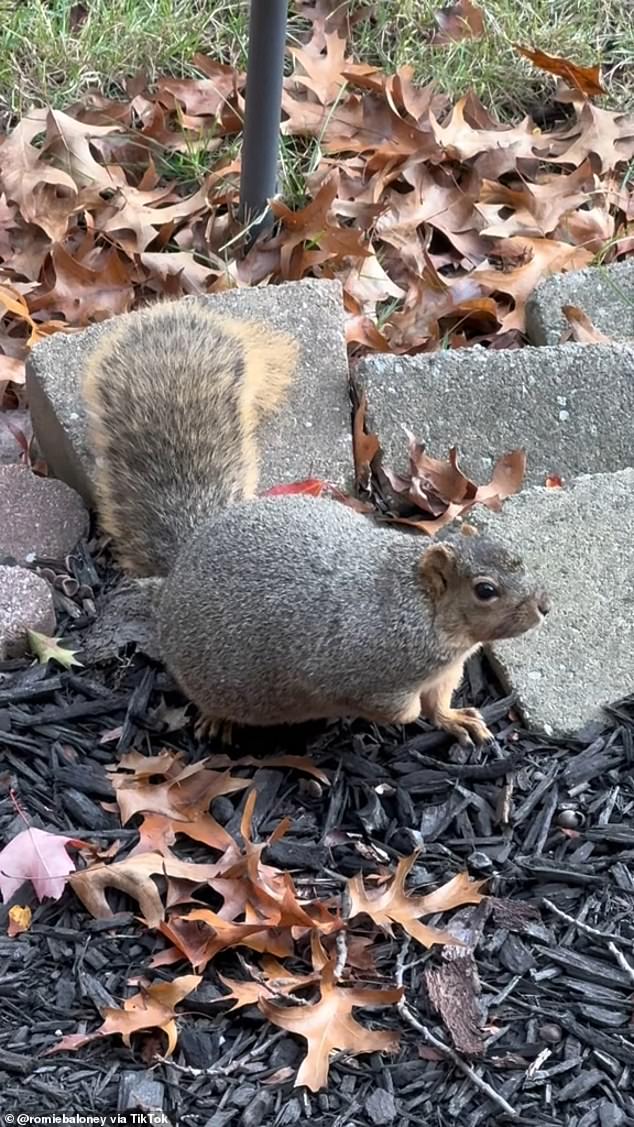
(466, 724)
(404, 709)
(209, 728)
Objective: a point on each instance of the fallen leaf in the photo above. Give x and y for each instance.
(275, 980)
(19, 920)
(48, 649)
(365, 446)
(321, 69)
(328, 1025)
(40, 857)
(587, 80)
(581, 328)
(82, 291)
(153, 1008)
(392, 904)
(201, 934)
(314, 223)
(46, 196)
(463, 20)
(542, 258)
(606, 134)
(133, 876)
(312, 487)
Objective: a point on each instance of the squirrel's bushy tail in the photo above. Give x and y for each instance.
(174, 394)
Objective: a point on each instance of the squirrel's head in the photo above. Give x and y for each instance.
(481, 591)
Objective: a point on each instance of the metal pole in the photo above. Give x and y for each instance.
(260, 147)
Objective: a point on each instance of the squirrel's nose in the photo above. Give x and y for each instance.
(543, 603)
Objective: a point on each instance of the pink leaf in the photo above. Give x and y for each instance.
(37, 856)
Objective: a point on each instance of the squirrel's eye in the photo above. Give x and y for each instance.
(486, 591)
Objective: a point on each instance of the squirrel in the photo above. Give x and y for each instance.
(277, 610)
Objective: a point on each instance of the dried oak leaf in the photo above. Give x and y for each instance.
(134, 877)
(463, 20)
(46, 196)
(15, 303)
(328, 1025)
(587, 80)
(539, 259)
(201, 97)
(152, 1008)
(274, 979)
(581, 328)
(461, 141)
(183, 796)
(201, 934)
(536, 209)
(265, 890)
(293, 762)
(40, 857)
(321, 67)
(392, 904)
(365, 446)
(313, 223)
(605, 134)
(85, 290)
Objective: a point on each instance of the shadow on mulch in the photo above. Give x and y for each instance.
(548, 823)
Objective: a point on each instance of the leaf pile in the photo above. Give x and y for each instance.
(258, 909)
(438, 220)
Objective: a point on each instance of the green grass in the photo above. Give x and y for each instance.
(48, 55)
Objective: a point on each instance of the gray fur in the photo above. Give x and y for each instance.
(288, 609)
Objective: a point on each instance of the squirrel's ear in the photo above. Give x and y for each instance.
(469, 530)
(436, 567)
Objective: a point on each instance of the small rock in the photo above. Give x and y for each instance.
(570, 819)
(258, 1110)
(550, 1032)
(26, 603)
(38, 516)
(243, 1095)
(380, 1106)
(611, 1115)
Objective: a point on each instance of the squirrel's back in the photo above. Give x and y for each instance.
(174, 394)
(279, 605)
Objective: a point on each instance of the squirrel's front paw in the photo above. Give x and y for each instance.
(466, 724)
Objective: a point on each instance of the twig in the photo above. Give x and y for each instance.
(440, 1046)
(225, 1069)
(593, 931)
(621, 960)
(342, 953)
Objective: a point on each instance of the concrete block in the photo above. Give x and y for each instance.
(39, 517)
(580, 542)
(605, 293)
(570, 407)
(310, 437)
(26, 603)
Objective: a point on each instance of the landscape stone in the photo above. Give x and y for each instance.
(579, 542)
(309, 437)
(605, 293)
(570, 406)
(26, 603)
(39, 517)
